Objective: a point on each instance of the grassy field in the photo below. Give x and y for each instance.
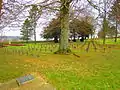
(93, 70)
(110, 41)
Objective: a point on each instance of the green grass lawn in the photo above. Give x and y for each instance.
(110, 41)
(92, 70)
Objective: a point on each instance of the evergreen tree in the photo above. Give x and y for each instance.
(26, 31)
(34, 15)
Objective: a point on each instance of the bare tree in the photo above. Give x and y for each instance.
(50, 6)
(11, 11)
(0, 6)
(114, 15)
(63, 6)
(103, 7)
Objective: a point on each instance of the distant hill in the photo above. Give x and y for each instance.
(16, 38)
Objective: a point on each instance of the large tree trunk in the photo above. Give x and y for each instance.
(35, 35)
(1, 2)
(0, 6)
(34, 29)
(74, 40)
(104, 22)
(116, 31)
(56, 39)
(104, 30)
(64, 12)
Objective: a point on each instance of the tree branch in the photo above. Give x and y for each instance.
(94, 6)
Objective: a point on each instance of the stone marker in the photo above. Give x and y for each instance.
(32, 81)
(24, 79)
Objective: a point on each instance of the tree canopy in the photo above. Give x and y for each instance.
(77, 28)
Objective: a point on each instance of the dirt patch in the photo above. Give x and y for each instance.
(37, 84)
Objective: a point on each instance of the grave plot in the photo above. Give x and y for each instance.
(27, 82)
